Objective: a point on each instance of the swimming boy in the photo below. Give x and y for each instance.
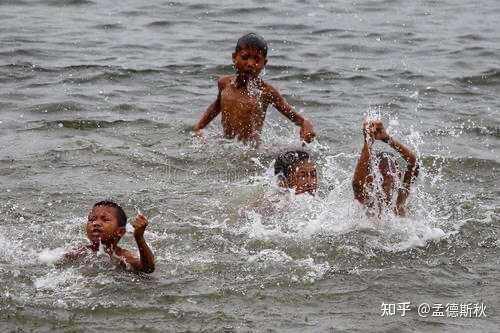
(105, 227)
(296, 171)
(391, 193)
(243, 98)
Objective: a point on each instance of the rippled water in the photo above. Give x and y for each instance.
(97, 99)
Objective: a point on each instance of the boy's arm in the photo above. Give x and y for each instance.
(212, 111)
(361, 172)
(307, 133)
(146, 262)
(412, 166)
(76, 254)
(411, 173)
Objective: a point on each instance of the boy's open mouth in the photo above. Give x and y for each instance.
(95, 232)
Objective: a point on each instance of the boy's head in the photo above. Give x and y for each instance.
(106, 223)
(250, 56)
(252, 40)
(296, 171)
(389, 169)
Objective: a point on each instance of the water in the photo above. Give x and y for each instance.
(97, 100)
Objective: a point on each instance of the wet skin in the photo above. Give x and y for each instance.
(243, 100)
(363, 179)
(303, 178)
(102, 227)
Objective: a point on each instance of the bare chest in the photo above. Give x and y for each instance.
(241, 102)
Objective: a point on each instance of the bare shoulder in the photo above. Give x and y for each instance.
(126, 254)
(224, 81)
(270, 91)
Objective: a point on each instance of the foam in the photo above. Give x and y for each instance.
(51, 256)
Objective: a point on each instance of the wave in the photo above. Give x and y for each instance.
(471, 37)
(69, 2)
(311, 77)
(245, 11)
(160, 24)
(23, 53)
(328, 31)
(55, 107)
(87, 124)
(14, 2)
(461, 163)
(488, 78)
(470, 129)
(109, 26)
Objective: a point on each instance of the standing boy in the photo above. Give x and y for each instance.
(243, 98)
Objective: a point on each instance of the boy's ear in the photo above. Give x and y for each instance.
(265, 62)
(234, 56)
(122, 231)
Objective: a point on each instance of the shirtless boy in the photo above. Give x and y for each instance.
(390, 192)
(243, 98)
(105, 227)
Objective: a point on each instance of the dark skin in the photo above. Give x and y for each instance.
(303, 177)
(243, 99)
(363, 180)
(102, 228)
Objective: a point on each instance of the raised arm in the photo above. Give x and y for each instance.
(212, 111)
(145, 263)
(361, 172)
(411, 173)
(412, 167)
(307, 133)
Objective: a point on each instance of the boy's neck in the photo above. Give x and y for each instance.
(242, 82)
(109, 248)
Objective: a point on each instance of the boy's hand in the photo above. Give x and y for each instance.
(374, 130)
(307, 133)
(197, 133)
(139, 225)
(367, 133)
(378, 131)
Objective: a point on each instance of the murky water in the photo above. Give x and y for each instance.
(97, 100)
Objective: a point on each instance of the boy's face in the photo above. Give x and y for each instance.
(102, 226)
(249, 62)
(303, 177)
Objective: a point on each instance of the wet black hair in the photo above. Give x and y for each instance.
(285, 161)
(121, 216)
(252, 40)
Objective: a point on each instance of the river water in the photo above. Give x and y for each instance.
(97, 99)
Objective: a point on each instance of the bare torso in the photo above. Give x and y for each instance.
(243, 108)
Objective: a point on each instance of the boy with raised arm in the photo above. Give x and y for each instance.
(389, 191)
(105, 227)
